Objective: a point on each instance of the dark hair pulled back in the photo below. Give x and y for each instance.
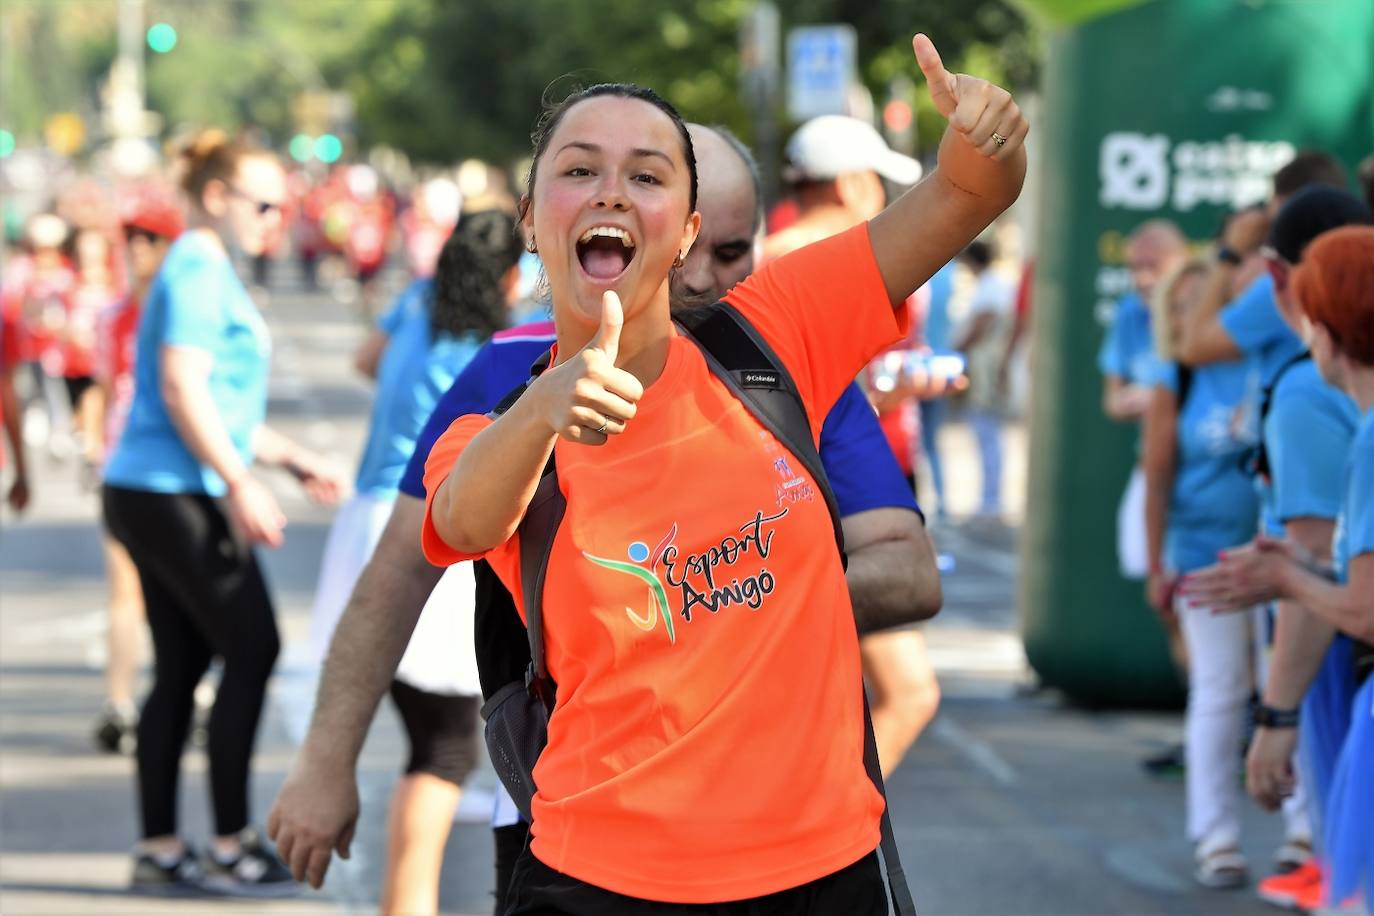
(212, 155)
(469, 297)
(554, 111)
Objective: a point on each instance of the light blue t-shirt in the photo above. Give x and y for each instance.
(1355, 527)
(937, 324)
(1214, 505)
(196, 300)
(1253, 322)
(1128, 350)
(412, 375)
(1307, 437)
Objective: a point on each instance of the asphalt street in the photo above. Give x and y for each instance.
(1014, 801)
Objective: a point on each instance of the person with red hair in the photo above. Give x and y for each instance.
(1334, 285)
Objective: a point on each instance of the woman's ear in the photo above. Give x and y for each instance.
(214, 199)
(689, 233)
(524, 212)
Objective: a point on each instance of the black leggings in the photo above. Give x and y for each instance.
(205, 597)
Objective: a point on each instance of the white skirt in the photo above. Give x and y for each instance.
(440, 657)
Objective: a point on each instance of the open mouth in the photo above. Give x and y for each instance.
(605, 252)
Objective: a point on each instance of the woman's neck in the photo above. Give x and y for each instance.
(1359, 384)
(206, 228)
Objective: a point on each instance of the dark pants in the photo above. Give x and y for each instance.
(537, 890)
(205, 597)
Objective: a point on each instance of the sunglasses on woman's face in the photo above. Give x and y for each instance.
(263, 207)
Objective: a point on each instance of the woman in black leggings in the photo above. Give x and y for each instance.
(179, 497)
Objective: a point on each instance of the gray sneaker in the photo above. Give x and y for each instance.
(255, 872)
(182, 877)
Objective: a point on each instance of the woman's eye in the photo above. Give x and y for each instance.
(646, 178)
(579, 171)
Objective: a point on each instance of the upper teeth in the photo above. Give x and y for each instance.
(608, 232)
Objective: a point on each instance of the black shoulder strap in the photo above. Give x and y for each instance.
(537, 530)
(747, 365)
(1185, 384)
(739, 356)
(1267, 399)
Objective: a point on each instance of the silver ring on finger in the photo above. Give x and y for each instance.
(999, 139)
(602, 427)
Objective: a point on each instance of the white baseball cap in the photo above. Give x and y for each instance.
(834, 145)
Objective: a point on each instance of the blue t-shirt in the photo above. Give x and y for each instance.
(412, 375)
(1128, 350)
(1355, 527)
(937, 324)
(1307, 437)
(862, 471)
(1253, 322)
(196, 300)
(1214, 505)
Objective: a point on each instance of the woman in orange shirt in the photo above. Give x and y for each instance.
(707, 743)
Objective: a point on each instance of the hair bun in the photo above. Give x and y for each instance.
(204, 145)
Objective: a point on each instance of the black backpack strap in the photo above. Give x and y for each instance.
(536, 531)
(747, 365)
(902, 904)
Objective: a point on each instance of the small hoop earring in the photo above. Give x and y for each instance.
(679, 261)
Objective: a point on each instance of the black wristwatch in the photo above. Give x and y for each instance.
(1269, 717)
(1228, 256)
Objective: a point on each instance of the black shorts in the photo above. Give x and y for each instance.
(77, 385)
(442, 729)
(537, 890)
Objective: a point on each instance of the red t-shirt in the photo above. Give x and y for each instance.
(707, 743)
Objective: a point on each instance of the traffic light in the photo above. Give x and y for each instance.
(162, 38)
(328, 148)
(301, 148)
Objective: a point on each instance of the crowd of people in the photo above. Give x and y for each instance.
(780, 642)
(1245, 362)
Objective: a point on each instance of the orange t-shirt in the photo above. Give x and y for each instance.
(707, 742)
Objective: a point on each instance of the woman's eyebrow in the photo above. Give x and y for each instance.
(638, 153)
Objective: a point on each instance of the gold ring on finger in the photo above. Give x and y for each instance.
(999, 139)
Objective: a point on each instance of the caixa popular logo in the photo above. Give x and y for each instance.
(1151, 172)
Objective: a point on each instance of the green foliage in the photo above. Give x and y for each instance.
(445, 79)
(442, 80)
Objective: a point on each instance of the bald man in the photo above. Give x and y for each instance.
(891, 574)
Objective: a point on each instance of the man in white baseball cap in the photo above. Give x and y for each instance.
(837, 165)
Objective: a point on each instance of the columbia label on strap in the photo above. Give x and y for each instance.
(760, 378)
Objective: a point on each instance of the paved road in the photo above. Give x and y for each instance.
(1013, 803)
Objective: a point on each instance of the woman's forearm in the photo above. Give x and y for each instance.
(14, 420)
(925, 228)
(481, 502)
(1348, 607)
(1300, 643)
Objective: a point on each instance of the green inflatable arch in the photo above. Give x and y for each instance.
(1151, 108)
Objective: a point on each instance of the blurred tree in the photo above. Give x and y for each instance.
(442, 79)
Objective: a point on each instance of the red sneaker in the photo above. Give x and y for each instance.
(1299, 889)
